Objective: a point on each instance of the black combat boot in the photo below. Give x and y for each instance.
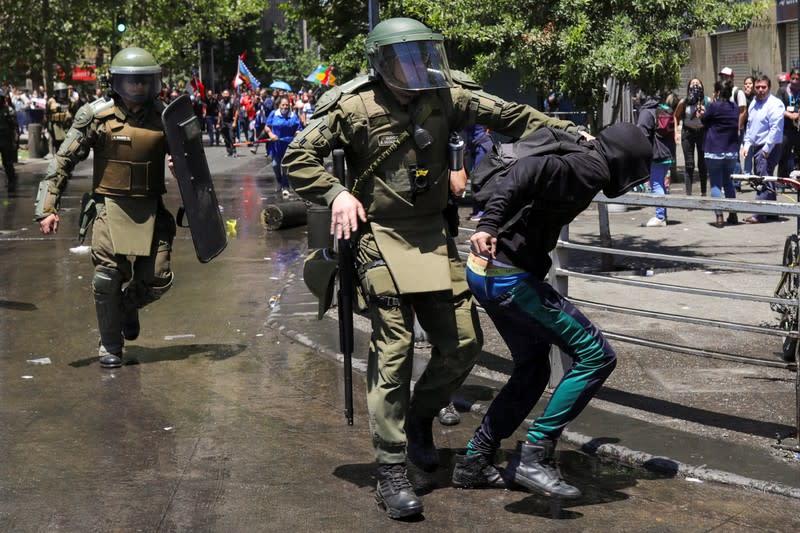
(108, 359)
(476, 472)
(534, 468)
(448, 415)
(130, 324)
(394, 492)
(421, 451)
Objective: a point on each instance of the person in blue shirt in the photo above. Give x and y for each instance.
(763, 137)
(721, 144)
(282, 125)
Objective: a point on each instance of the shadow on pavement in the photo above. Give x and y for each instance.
(140, 355)
(693, 414)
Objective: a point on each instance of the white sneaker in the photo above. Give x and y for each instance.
(656, 222)
(285, 193)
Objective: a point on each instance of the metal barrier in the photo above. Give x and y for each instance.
(560, 273)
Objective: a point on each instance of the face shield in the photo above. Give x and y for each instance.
(413, 65)
(137, 88)
(60, 95)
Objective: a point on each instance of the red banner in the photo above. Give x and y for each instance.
(83, 74)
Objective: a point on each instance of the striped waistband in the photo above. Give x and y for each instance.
(490, 267)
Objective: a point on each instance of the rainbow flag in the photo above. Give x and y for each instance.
(245, 76)
(322, 75)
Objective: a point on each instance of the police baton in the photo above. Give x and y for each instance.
(345, 298)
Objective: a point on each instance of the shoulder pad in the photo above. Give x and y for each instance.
(326, 101)
(84, 115)
(464, 80)
(330, 97)
(355, 84)
(100, 105)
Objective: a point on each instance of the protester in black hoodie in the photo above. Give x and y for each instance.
(505, 271)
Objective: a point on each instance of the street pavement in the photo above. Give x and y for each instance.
(228, 413)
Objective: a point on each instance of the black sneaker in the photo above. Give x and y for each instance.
(421, 450)
(448, 416)
(394, 493)
(476, 472)
(534, 467)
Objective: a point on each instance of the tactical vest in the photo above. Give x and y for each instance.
(128, 158)
(59, 119)
(385, 120)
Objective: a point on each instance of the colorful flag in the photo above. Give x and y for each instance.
(322, 75)
(197, 86)
(245, 75)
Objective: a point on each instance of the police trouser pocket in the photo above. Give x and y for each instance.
(377, 284)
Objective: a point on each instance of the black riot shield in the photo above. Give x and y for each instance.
(184, 136)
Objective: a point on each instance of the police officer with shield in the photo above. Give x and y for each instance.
(133, 231)
(394, 127)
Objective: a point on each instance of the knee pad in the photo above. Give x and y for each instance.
(106, 281)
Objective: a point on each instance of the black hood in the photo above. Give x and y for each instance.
(628, 153)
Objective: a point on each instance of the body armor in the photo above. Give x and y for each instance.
(128, 158)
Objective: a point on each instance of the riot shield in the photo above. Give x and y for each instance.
(184, 136)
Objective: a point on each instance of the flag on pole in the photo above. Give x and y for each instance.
(197, 85)
(243, 75)
(322, 75)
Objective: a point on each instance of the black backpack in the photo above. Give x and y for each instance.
(489, 173)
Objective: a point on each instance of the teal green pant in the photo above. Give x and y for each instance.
(531, 316)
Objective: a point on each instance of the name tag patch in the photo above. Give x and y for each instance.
(387, 140)
(120, 138)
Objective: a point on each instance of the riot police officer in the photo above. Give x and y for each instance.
(394, 127)
(9, 140)
(59, 115)
(133, 232)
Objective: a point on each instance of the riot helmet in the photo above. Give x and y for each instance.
(408, 55)
(60, 92)
(135, 75)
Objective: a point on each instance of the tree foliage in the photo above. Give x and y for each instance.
(339, 26)
(37, 33)
(561, 45)
(298, 64)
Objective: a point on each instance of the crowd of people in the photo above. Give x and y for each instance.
(729, 130)
(247, 117)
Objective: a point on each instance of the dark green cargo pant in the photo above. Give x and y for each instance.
(147, 277)
(451, 321)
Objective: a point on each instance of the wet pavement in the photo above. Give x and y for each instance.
(228, 413)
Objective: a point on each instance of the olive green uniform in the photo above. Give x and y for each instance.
(133, 232)
(59, 120)
(406, 262)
